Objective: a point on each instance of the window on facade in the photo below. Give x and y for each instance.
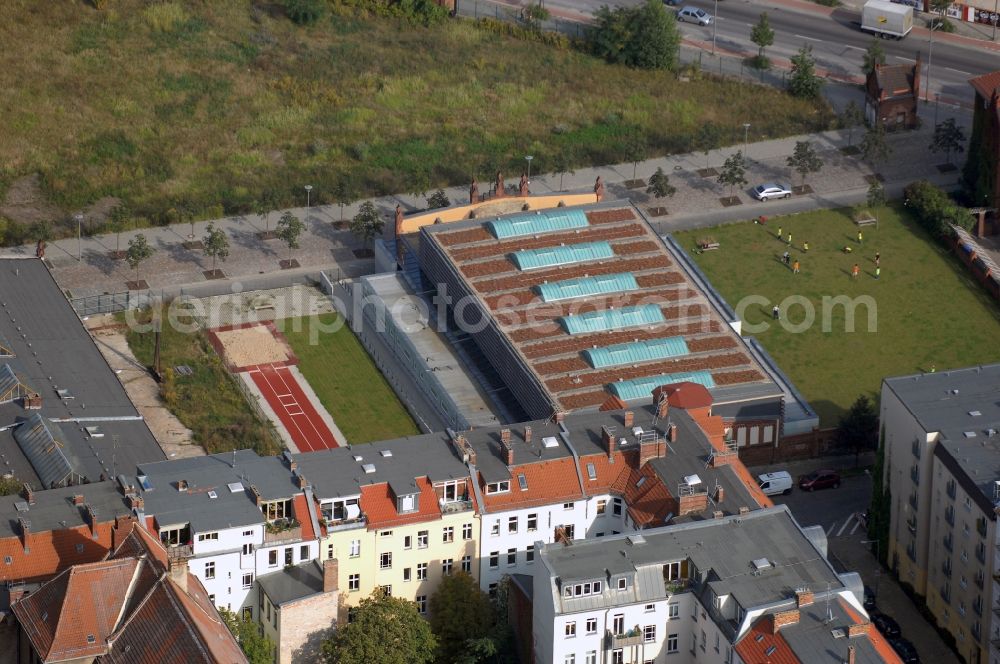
(247, 580)
(649, 633)
(582, 589)
(272, 558)
(498, 487)
(704, 639)
(247, 549)
(568, 506)
(211, 598)
(493, 590)
(385, 533)
(494, 559)
(422, 538)
(467, 564)
(387, 591)
(467, 531)
(449, 491)
(446, 566)
(407, 542)
(385, 560)
(570, 531)
(672, 646)
(591, 657)
(591, 625)
(618, 624)
(338, 510)
(209, 570)
(406, 574)
(673, 611)
(649, 607)
(532, 522)
(495, 529)
(304, 552)
(512, 524)
(289, 556)
(622, 584)
(208, 537)
(617, 507)
(570, 659)
(248, 613)
(421, 602)
(354, 582)
(247, 533)
(276, 509)
(571, 629)
(448, 534)
(602, 506)
(672, 571)
(511, 557)
(617, 656)
(529, 553)
(355, 548)
(421, 571)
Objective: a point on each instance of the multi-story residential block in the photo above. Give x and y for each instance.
(597, 473)
(738, 589)
(942, 467)
(234, 517)
(398, 515)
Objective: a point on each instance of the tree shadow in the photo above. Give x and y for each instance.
(102, 261)
(180, 255)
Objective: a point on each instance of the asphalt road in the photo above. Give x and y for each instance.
(837, 41)
(833, 509)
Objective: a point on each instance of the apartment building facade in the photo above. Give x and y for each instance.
(942, 465)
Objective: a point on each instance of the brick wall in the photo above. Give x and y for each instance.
(820, 442)
(304, 626)
(520, 618)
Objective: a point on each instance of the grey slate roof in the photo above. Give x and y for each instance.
(812, 639)
(334, 473)
(723, 548)
(944, 402)
(41, 442)
(293, 583)
(8, 382)
(54, 509)
(53, 351)
(229, 509)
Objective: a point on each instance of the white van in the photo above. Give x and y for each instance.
(774, 483)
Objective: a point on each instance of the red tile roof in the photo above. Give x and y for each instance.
(301, 509)
(548, 482)
(52, 551)
(379, 505)
(755, 643)
(987, 84)
(649, 502)
(685, 395)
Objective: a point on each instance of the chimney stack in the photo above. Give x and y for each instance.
(744, 510)
(717, 514)
(182, 485)
(33, 402)
(256, 495)
(804, 597)
(720, 494)
(92, 520)
(672, 433)
(608, 438)
(662, 408)
(783, 618)
(859, 629)
(505, 436)
(301, 481)
(330, 570)
(527, 435)
(850, 655)
(136, 503)
(78, 499)
(629, 419)
(559, 416)
(293, 466)
(508, 453)
(29, 495)
(25, 527)
(179, 571)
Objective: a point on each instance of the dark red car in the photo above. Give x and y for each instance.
(820, 479)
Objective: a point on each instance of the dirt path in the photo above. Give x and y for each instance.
(174, 438)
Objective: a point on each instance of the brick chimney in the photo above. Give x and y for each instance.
(651, 449)
(629, 419)
(804, 597)
(25, 528)
(558, 416)
(29, 495)
(693, 503)
(136, 503)
(33, 402)
(293, 466)
(179, 571)
(717, 514)
(672, 433)
(851, 655)
(608, 440)
(16, 592)
(783, 618)
(92, 520)
(662, 408)
(744, 510)
(182, 485)
(527, 435)
(331, 568)
(256, 495)
(861, 629)
(122, 527)
(301, 481)
(507, 453)
(505, 436)
(78, 499)
(720, 494)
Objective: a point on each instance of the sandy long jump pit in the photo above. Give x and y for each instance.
(244, 347)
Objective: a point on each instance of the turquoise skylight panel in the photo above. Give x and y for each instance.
(532, 224)
(588, 286)
(531, 259)
(641, 388)
(636, 352)
(612, 319)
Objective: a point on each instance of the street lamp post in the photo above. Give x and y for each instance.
(715, 25)
(528, 159)
(79, 236)
(746, 139)
(309, 189)
(930, 57)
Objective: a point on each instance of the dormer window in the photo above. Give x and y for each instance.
(582, 589)
(498, 487)
(407, 503)
(449, 492)
(623, 584)
(339, 510)
(175, 535)
(277, 509)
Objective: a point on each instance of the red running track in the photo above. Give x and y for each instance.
(283, 392)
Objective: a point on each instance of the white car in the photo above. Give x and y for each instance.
(694, 15)
(765, 192)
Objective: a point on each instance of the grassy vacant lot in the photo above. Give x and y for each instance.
(218, 101)
(207, 401)
(929, 312)
(346, 381)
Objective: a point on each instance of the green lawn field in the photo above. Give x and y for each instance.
(347, 382)
(930, 312)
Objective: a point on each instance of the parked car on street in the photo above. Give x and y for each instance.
(778, 482)
(694, 15)
(905, 650)
(886, 625)
(769, 190)
(820, 479)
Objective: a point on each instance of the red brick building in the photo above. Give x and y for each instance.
(891, 95)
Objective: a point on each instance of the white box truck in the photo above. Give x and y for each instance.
(887, 19)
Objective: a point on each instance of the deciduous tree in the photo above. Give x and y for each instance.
(438, 199)
(290, 228)
(804, 160)
(708, 138)
(258, 648)
(138, 251)
(762, 34)
(948, 138)
(367, 223)
(659, 185)
(460, 613)
(858, 427)
(875, 55)
(645, 36)
(385, 629)
(562, 164)
(733, 172)
(118, 218)
(803, 81)
(343, 193)
(216, 244)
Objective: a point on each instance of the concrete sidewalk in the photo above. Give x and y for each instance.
(323, 247)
